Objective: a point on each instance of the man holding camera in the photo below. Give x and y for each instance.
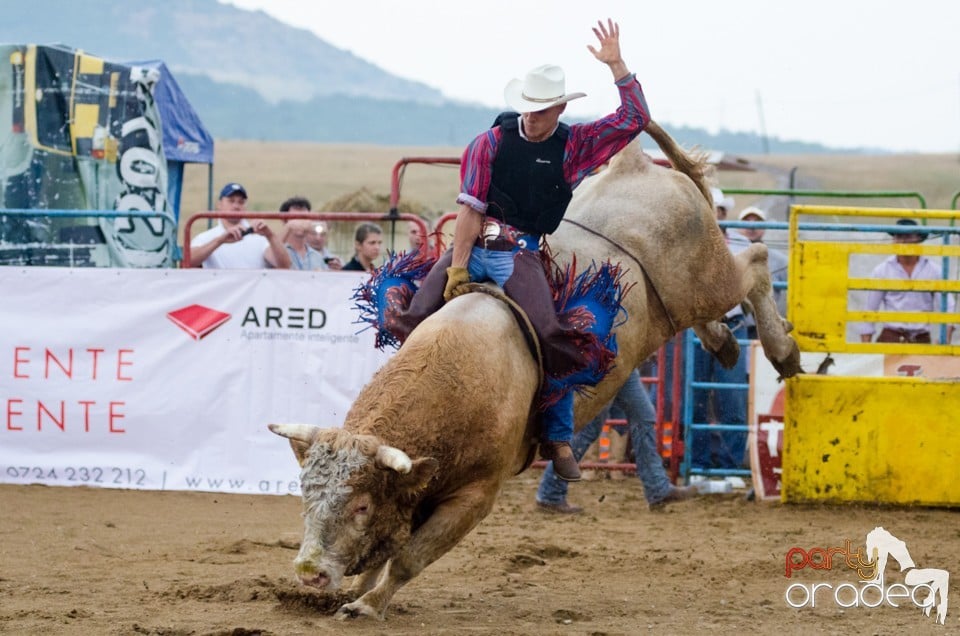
(234, 243)
(297, 237)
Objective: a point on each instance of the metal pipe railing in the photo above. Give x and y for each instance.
(834, 194)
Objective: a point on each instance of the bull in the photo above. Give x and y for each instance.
(430, 440)
(421, 456)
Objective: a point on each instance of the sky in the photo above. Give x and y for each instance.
(844, 73)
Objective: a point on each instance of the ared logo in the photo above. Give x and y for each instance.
(197, 320)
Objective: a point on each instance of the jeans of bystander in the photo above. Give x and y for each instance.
(634, 400)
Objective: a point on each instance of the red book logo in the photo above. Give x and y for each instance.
(198, 320)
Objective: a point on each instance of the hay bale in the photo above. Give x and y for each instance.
(363, 200)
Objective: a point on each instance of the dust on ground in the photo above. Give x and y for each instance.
(98, 561)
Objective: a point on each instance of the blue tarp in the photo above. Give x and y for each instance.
(185, 138)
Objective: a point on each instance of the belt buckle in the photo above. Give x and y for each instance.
(490, 231)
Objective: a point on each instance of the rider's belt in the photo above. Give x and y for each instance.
(501, 237)
(889, 334)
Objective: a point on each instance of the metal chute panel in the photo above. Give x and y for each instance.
(872, 439)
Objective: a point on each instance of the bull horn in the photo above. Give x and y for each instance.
(390, 457)
(305, 433)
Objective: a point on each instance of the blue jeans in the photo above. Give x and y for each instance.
(634, 401)
(490, 265)
(720, 449)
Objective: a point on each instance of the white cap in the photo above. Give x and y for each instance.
(753, 211)
(720, 200)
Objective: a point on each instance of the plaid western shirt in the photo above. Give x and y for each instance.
(588, 147)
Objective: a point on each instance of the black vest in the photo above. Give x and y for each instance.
(527, 189)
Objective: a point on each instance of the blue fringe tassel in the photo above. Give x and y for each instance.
(590, 304)
(389, 292)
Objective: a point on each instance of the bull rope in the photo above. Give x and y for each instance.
(653, 287)
(521, 315)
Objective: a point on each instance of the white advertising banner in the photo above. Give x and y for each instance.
(167, 379)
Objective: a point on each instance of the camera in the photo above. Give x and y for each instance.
(246, 230)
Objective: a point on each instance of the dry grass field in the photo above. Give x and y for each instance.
(271, 172)
(323, 172)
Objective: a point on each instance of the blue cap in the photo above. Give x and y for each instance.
(231, 189)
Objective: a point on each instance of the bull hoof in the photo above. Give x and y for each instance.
(728, 354)
(357, 609)
(789, 366)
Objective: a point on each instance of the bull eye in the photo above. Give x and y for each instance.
(362, 509)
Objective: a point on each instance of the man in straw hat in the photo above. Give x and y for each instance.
(516, 181)
(905, 267)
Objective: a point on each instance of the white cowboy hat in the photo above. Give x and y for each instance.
(542, 88)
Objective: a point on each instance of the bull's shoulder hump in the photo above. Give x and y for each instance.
(477, 308)
(473, 315)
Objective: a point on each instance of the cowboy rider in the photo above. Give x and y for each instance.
(517, 179)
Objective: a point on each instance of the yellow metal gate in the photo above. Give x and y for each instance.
(867, 439)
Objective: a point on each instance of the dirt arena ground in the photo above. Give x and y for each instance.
(91, 561)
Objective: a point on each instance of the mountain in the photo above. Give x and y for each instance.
(250, 76)
(230, 45)
(237, 112)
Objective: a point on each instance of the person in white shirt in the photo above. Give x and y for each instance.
(906, 267)
(234, 243)
(296, 239)
(317, 239)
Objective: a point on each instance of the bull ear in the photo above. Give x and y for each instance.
(421, 472)
(301, 437)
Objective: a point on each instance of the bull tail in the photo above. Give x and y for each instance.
(692, 165)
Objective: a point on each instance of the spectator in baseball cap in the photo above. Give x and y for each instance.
(777, 262)
(722, 202)
(753, 213)
(235, 243)
(231, 189)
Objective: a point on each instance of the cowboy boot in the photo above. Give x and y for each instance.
(564, 463)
